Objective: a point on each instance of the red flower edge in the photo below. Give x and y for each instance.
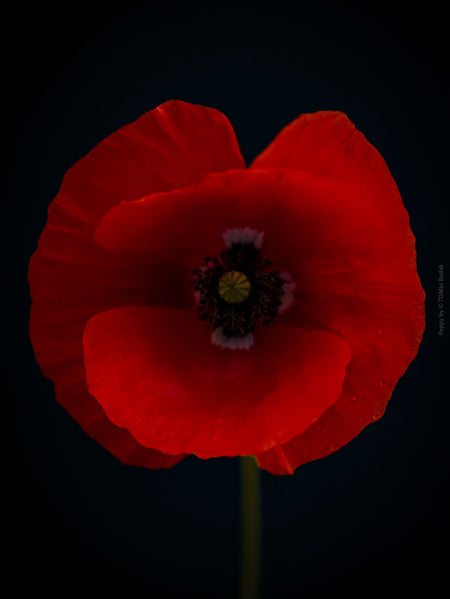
(364, 301)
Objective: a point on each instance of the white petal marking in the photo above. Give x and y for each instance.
(243, 235)
(235, 342)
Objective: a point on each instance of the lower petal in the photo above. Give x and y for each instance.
(156, 373)
(70, 280)
(379, 311)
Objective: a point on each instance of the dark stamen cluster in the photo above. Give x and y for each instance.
(263, 302)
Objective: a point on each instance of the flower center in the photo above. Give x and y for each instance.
(238, 291)
(234, 287)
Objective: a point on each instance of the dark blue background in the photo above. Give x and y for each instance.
(369, 520)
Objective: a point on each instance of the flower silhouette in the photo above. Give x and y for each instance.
(185, 304)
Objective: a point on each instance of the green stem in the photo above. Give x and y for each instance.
(251, 518)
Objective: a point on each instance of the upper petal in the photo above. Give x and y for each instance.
(327, 144)
(156, 373)
(302, 217)
(172, 146)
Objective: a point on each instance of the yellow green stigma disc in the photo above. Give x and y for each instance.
(234, 287)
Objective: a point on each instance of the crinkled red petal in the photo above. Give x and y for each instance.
(167, 148)
(374, 302)
(302, 217)
(156, 373)
(71, 278)
(327, 144)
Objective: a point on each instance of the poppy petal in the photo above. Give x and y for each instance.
(167, 148)
(327, 144)
(379, 312)
(71, 278)
(377, 304)
(301, 216)
(156, 373)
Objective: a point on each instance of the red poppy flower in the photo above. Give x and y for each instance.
(184, 304)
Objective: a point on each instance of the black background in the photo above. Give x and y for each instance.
(370, 520)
